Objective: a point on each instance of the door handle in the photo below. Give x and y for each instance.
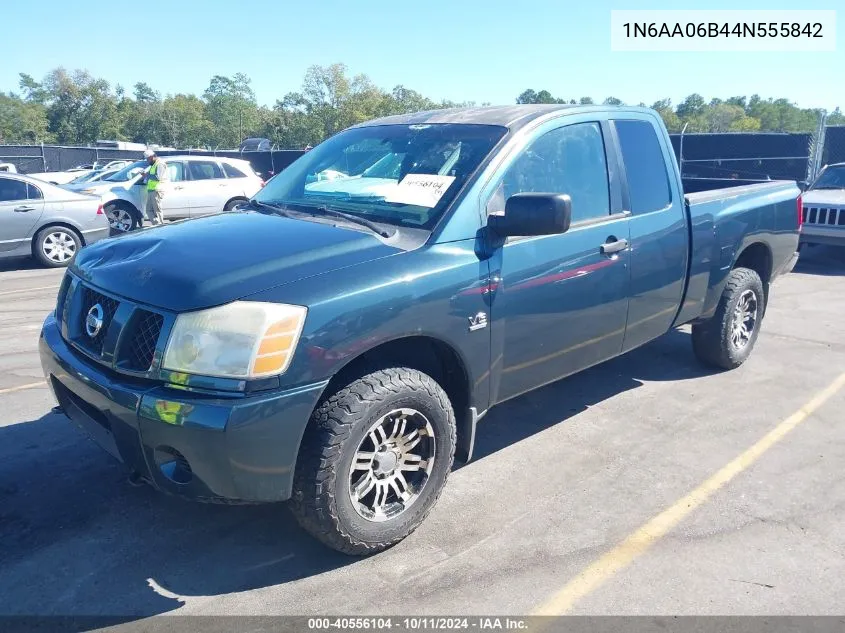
(24, 209)
(609, 248)
(177, 188)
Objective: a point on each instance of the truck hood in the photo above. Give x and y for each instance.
(824, 196)
(210, 261)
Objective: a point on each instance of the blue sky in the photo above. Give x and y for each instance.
(474, 50)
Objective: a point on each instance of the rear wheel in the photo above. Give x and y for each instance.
(56, 246)
(121, 218)
(230, 206)
(727, 339)
(374, 460)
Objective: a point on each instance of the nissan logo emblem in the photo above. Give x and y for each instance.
(94, 320)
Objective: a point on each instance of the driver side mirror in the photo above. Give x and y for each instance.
(530, 214)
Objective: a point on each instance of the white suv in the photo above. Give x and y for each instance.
(199, 185)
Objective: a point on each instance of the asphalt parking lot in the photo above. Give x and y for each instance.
(563, 476)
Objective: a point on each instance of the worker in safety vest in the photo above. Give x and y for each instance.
(155, 178)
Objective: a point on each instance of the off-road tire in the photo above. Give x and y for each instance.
(321, 501)
(711, 340)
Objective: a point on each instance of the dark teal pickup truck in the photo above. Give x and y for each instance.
(336, 341)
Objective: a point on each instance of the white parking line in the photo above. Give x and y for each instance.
(25, 290)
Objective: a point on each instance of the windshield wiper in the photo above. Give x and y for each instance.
(355, 219)
(277, 209)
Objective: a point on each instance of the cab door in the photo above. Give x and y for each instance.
(561, 301)
(177, 199)
(21, 206)
(659, 234)
(208, 186)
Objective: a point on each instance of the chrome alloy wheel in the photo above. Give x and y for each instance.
(59, 247)
(392, 465)
(119, 219)
(744, 319)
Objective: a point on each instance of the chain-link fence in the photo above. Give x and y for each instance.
(29, 159)
(833, 150)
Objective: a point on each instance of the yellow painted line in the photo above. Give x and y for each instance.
(31, 385)
(637, 543)
(25, 290)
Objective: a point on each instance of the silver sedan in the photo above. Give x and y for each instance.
(46, 221)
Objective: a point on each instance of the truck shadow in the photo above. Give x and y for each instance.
(667, 358)
(76, 539)
(821, 260)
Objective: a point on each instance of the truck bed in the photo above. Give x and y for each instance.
(726, 224)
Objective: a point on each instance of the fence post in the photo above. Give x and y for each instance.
(681, 151)
(43, 159)
(815, 163)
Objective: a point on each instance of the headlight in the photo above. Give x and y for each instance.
(244, 339)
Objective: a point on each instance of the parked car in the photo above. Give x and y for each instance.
(256, 145)
(70, 175)
(8, 168)
(824, 208)
(46, 221)
(199, 185)
(336, 347)
(92, 176)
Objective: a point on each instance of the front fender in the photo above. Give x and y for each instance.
(430, 293)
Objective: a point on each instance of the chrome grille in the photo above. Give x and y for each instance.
(61, 299)
(824, 216)
(90, 298)
(143, 340)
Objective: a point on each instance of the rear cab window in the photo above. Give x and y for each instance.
(645, 166)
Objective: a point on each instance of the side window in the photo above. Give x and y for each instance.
(232, 171)
(568, 160)
(33, 192)
(645, 166)
(176, 171)
(12, 190)
(204, 170)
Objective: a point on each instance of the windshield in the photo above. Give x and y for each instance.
(398, 174)
(84, 177)
(124, 174)
(832, 178)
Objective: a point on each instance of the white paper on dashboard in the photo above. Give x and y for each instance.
(424, 190)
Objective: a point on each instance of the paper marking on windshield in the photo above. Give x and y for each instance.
(424, 190)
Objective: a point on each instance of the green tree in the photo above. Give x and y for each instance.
(691, 107)
(613, 101)
(80, 108)
(231, 108)
(22, 121)
(670, 119)
(183, 122)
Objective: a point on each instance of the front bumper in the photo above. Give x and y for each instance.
(200, 446)
(92, 236)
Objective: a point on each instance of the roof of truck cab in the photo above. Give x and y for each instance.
(510, 116)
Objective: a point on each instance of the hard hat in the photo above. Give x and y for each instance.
(148, 153)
